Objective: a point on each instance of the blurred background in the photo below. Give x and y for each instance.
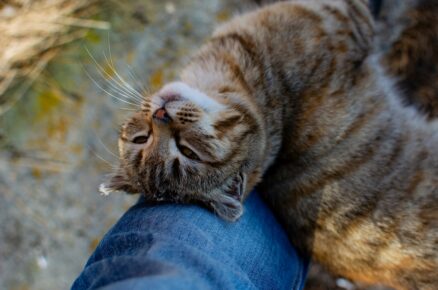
(61, 66)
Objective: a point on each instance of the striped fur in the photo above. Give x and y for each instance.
(407, 39)
(289, 92)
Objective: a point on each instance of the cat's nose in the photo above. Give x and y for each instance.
(162, 116)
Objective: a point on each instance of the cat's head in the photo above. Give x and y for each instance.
(185, 146)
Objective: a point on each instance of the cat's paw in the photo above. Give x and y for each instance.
(226, 200)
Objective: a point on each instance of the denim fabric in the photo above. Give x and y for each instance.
(188, 247)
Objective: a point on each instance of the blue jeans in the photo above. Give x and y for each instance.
(188, 247)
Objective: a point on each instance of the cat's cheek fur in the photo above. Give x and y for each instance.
(226, 200)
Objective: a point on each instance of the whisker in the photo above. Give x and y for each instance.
(104, 73)
(100, 87)
(121, 89)
(136, 79)
(105, 147)
(122, 80)
(121, 100)
(132, 74)
(121, 92)
(130, 70)
(118, 87)
(128, 109)
(111, 165)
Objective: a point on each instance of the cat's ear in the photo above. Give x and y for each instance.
(117, 182)
(227, 200)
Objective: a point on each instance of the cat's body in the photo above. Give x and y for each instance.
(407, 38)
(288, 93)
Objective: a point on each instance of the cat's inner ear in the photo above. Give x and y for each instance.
(226, 200)
(117, 182)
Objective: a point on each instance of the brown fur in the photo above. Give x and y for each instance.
(408, 39)
(351, 173)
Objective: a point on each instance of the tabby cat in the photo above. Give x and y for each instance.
(289, 93)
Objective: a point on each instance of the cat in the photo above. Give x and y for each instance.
(407, 37)
(288, 99)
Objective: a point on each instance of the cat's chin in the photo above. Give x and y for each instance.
(225, 200)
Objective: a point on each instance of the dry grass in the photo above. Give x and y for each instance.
(31, 31)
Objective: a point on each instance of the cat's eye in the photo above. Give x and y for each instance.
(187, 152)
(140, 139)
